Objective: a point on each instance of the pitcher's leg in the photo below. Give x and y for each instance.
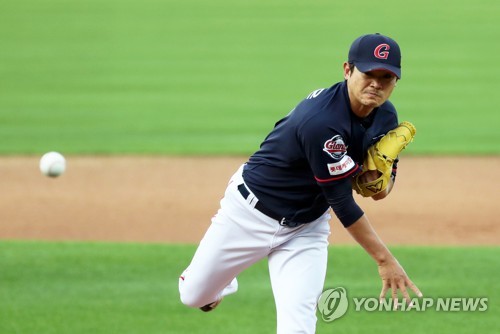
(297, 269)
(217, 261)
(236, 239)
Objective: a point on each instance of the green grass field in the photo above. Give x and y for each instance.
(198, 77)
(132, 288)
(211, 77)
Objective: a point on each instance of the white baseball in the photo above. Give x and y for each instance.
(52, 164)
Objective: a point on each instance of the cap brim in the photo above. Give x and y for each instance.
(367, 67)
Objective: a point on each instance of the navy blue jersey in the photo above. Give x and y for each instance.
(306, 163)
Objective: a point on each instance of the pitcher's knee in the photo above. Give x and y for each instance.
(191, 299)
(190, 296)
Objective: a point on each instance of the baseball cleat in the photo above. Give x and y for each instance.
(211, 306)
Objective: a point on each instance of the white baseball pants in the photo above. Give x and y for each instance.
(239, 236)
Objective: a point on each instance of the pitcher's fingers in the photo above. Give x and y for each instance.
(385, 287)
(394, 295)
(405, 294)
(414, 288)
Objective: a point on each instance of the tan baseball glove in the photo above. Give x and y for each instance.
(380, 158)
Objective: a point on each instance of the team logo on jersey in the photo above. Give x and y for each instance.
(382, 51)
(341, 167)
(335, 147)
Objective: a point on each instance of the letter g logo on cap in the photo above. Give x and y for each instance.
(382, 51)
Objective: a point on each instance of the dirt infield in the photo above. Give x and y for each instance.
(169, 199)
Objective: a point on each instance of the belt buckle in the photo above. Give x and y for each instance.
(282, 222)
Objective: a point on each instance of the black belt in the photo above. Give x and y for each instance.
(262, 208)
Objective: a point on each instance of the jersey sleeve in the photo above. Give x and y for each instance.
(326, 152)
(339, 196)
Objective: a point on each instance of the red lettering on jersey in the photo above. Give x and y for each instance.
(343, 166)
(335, 147)
(382, 51)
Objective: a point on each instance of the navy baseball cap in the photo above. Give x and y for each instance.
(376, 52)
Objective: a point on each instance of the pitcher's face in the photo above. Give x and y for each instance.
(368, 90)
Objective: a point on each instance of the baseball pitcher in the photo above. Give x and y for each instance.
(277, 205)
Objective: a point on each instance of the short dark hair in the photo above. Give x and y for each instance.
(351, 67)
